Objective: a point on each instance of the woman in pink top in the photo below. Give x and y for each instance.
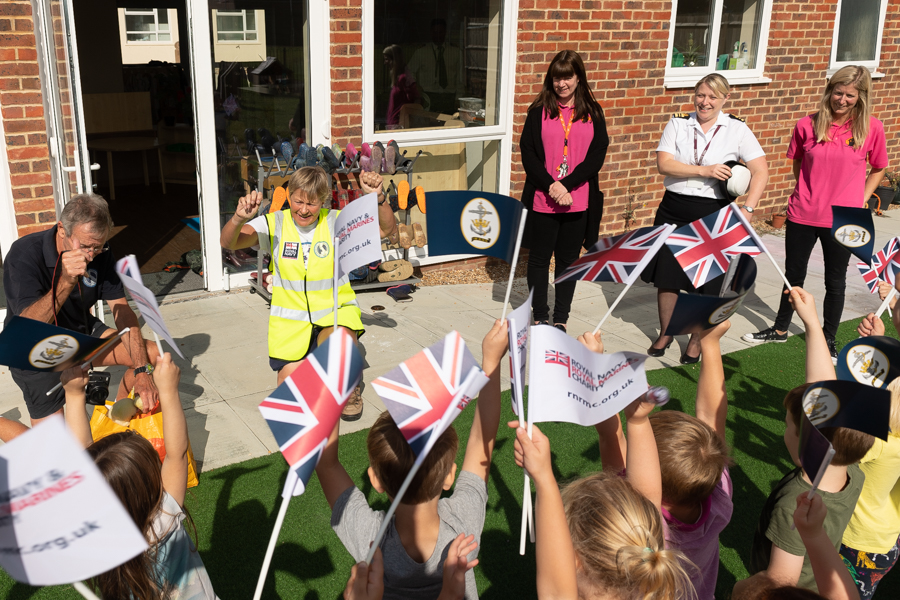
(563, 147)
(830, 150)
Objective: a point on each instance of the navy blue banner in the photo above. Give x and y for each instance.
(38, 346)
(873, 360)
(854, 229)
(695, 313)
(473, 223)
(848, 404)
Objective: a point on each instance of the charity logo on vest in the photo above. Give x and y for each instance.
(52, 351)
(291, 250)
(90, 278)
(322, 249)
(868, 365)
(480, 223)
(852, 236)
(820, 405)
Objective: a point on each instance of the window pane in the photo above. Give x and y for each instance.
(140, 23)
(858, 30)
(250, 36)
(693, 26)
(739, 34)
(141, 37)
(165, 37)
(251, 20)
(230, 37)
(436, 70)
(229, 23)
(162, 19)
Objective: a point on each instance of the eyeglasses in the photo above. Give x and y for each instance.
(94, 250)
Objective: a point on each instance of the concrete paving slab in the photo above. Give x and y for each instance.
(220, 437)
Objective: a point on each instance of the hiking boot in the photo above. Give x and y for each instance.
(833, 350)
(766, 335)
(353, 410)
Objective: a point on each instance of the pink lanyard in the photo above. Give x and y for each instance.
(699, 161)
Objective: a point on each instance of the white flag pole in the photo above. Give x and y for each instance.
(85, 591)
(287, 494)
(614, 304)
(158, 343)
(515, 260)
(759, 242)
(337, 266)
(886, 304)
(467, 383)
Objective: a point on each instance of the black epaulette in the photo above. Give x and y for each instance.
(681, 116)
(736, 118)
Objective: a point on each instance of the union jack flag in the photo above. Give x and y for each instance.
(618, 258)
(555, 357)
(886, 262)
(303, 410)
(426, 392)
(705, 247)
(869, 275)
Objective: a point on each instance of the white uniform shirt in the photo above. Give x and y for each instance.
(734, 141)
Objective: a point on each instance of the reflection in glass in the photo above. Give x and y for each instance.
(739, 34)
(858, 30)
(693, 26)
(434, 70)
(146, 24)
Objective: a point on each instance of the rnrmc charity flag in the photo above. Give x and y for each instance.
(38, 346)
(473, 223)
(853, 228)
(695, 313)
(303, 410)
(144, 298)
(519, 323)
(359, 241)
(873, 360)
(571, 384)
(60, 522)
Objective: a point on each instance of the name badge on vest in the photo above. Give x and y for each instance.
(322, 249)
(291, 250)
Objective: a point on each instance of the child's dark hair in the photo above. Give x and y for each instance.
(691, 456)
(850, 446)
(131, 466)
(391, 458)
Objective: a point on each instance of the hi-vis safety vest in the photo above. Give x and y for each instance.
(304, 296)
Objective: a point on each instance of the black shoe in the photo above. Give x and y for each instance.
(657, 352)
(561, 327)
(544, 322)
(766, 335)
(833, 350)
(686, 359)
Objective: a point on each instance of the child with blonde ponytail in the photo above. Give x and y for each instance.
(602, 538)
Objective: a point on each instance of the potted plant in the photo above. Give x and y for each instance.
(780, 217)
(885, 193)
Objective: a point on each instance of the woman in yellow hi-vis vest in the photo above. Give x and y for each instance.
(299, 240)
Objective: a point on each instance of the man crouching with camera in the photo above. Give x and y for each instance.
(56, 276)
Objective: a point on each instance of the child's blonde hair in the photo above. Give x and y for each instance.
(618, 538)
(894, 388)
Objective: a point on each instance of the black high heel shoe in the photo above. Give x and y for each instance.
(687, 359)
(657, 352)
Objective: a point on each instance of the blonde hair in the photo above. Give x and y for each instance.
(618, 538)
(716, 83)
(312, 181)
(691, 456)
(894, 388)
(860, 79)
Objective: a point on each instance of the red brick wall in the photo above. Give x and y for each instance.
(346, 71)
(624, 46)
(23, 119)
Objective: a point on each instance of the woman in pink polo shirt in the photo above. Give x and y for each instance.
(830, 149)
(563, 147)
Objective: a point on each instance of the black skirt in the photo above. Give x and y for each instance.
(663, 270)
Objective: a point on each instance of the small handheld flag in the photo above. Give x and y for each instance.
(145, 299)
(872, 360)
(473, 223)
(853, 228)
(37, 346)
(619, 258)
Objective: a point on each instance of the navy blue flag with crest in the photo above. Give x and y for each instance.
(840, 404)
(38, 346)
(695, 313)
(873, 360)
(854, 229)
(473, 223)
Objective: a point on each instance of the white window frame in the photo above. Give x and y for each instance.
(502, 131)
(834, 64)
(233, 13)
(684, 77)
(146, 12)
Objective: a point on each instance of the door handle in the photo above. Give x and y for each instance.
(95, 166)
(69, 169)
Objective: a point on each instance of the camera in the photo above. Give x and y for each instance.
(97, 390)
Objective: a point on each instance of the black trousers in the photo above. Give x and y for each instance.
(560, 235)
(798, 243)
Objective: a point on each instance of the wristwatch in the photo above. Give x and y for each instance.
(750, 209)
(148, 369)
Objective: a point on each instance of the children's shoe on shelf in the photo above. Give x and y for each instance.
(403, 271)
(403, 194)
(365, 149)
(330, 158)
(287, 151)
(420, 198)
(405, 236)
(390, 157)
(419, 234)
(377, 156)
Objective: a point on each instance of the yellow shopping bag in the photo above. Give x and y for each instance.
(149, 426)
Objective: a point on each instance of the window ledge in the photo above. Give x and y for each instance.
(875, 74)
(733, 77)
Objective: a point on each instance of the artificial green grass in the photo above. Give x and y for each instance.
(234, 507)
